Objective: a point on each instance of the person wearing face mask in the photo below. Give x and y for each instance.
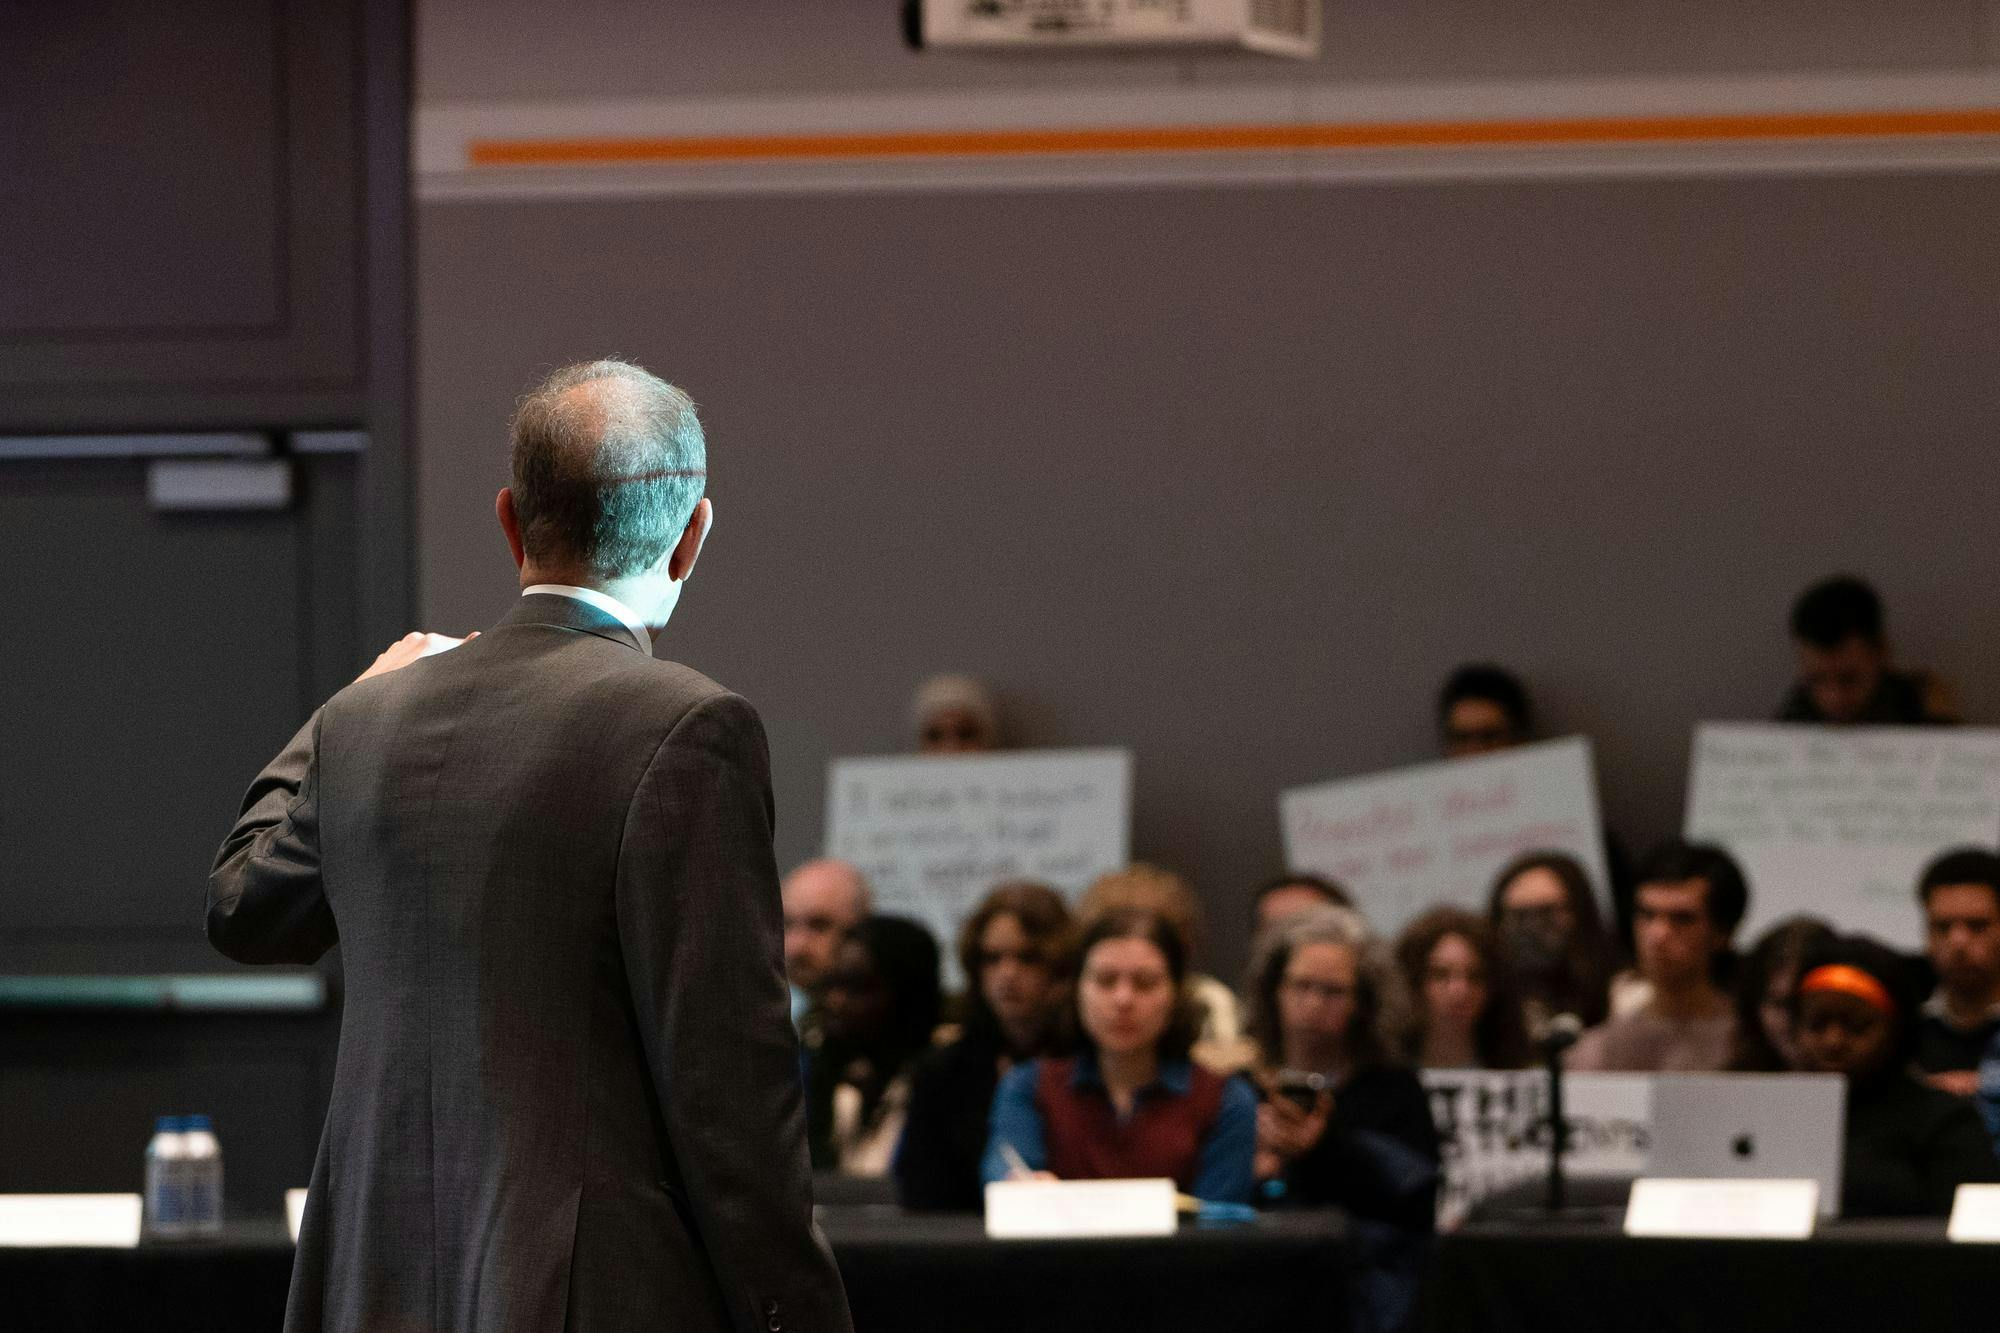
(1130, 1102)
(881, 1004)
(1015, 953)
(1553, 948)
(1465, 1016)
(1908, 1145)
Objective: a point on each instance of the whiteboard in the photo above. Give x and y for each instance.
(1839, 821)
(933, 833)
(1409, 839)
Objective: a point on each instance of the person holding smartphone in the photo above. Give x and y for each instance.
(1342, 1121)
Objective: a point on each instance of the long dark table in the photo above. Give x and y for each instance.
(1896, 1276)
(903, 1272)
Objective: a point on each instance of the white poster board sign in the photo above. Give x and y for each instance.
(1493, 1131)
(1438, 833)
(933, 833)
(1839, 821)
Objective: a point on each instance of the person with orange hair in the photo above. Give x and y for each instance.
(1908, 1145)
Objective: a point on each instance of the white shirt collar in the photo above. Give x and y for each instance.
(603, 602)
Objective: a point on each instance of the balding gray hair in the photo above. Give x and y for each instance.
(609, 463)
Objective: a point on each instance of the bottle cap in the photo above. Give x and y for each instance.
(168, 1124)
(197, 1124)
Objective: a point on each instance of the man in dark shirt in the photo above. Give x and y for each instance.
(1960, 893)
(1845, 673)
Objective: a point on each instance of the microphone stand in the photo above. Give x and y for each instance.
(1558, 1191)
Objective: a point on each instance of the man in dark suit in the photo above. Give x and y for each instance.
(567, 1094)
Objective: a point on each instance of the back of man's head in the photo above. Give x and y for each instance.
(1726, 894)
(609, 463)
(1835, 610)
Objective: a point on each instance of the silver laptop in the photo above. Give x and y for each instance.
(1750, 1126)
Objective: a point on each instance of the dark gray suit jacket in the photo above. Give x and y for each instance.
(567, 1094)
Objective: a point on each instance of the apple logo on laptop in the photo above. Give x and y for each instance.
(1744, 1146)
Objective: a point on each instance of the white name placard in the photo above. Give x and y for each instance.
(1975, 1215)
(934, 833)
(295, 1211)
(1068, 1209)
(1723, 1209)
(1405, 840)
(1493, 1130)
(1839, 821)
(98, 1221)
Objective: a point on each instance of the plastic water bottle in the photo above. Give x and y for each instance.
(166, 1180)
(203, 1165)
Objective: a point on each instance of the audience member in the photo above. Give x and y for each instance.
(955, 715)
(881, 1005)
(1342, 1122)
(1288, 895)
(1482, 708)
(1765, 985)
(1960, 892)
(1690, 899)
(1130, 1102)
(1845, 674)
(823, 900)
(1555, 954)
(1219, 1035)
(1015, 953)
(1988, 1097)
(1465, 1015)
(1908, 1145)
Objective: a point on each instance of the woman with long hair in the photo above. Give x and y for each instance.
(1558, 958)
(1465, 1014)
(1015, 953)
(1130, 1101)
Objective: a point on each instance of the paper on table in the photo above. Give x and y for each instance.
(98, 1221)
(1723, 1209)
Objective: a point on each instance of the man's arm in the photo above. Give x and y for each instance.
(265, 904)
(703, 939)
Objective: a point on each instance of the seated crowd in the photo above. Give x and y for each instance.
(1088, 1044)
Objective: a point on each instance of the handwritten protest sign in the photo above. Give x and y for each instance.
(934, 833)
(1839, 822)
(1493, 1130)
(1406, 840)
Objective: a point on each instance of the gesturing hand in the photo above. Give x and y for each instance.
(409, 648)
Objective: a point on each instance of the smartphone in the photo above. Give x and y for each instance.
(1302, 1087)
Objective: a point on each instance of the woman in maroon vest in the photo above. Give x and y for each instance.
(1130, 1103)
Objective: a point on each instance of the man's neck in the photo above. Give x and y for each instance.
(1698, 1000)
(639, 597)
(1967, 1010)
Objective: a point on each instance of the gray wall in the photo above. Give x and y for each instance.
(1233, 475)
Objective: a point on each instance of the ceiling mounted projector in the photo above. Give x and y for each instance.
(1273, 27)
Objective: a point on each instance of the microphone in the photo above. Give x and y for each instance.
(1558, 1034)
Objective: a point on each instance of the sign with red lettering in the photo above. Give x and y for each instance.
(1438, 833)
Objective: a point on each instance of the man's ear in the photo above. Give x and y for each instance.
(680, 561)
(503, 506)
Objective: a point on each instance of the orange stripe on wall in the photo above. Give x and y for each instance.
(1234, 138)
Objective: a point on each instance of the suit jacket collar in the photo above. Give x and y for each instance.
(548, 608)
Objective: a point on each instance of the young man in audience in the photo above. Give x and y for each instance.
(1960, 892)
(1845, 671)
(1689, 901)
(1482, 708)
(1289, 895)
(823, 900)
